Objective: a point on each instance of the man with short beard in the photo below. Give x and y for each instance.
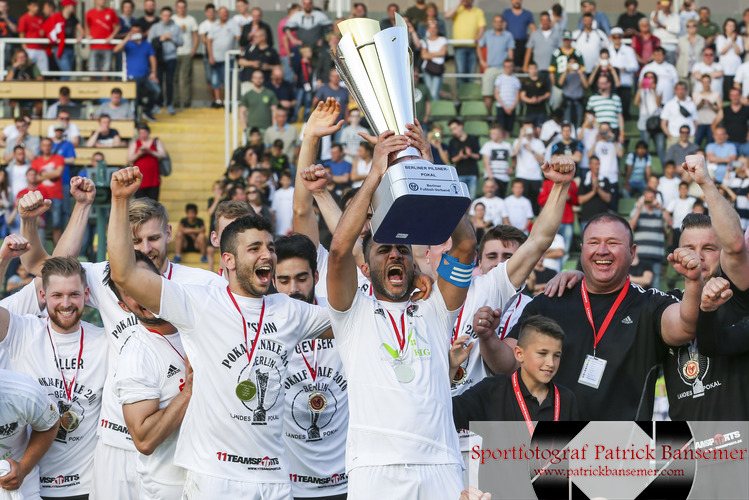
(240, 365)
(316, 413)
(116, 455)
(69, 359)
(154, 385)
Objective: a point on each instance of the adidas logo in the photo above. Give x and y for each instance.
(627, 321)
(173, 370)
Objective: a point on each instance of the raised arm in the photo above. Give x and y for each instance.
(342, 280)
(734, 258)
(679, 321)
(519, 266)
(142, 285)
(463, 249)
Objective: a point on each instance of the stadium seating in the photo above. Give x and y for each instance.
(473, 110)
(626, 205)
(444, 109)
(113, 156)
(51, 90)
(469, 92)
(474, 127)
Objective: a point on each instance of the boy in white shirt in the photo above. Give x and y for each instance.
(497, 156)
(519, 208)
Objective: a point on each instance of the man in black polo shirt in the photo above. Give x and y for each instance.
(734, 117)
(595, 193)
(616, 333)
(464, 153)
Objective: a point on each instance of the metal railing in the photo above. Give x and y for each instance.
(45, 41)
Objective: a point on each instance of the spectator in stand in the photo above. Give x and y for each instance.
(222, 37)
(668, 184)
(145, 152)
(600, 21)
(499, 46)
(541, 44)
(568, 146)
(708, 66)
(497, 156)
(256, 23)
(257, 56)
(639, 169)
(481, 224)
(708, 104)
(507, 95)
(519, 22)
(389, 21)
(307, 26)
(190, 235)
(242, 17)
(464, 154)
(629, 19)
(567, 227)
(64, 148)
(72, 132)
(433, 51)
(648, 224)
(677, 153)
(325, 62)
(141, 68)
(169, 36)
(573, 83)
(8, 27)
(284, 131)
(11, 131)
(432, 14)
(73, 31)
(648, 101)
(744, 23)
(284, 91)
(185, 53)
(560, 56)
(551, 130)
(333, 89)
(644, 43)
(30, 143)
(603, 68)
(607, 107)
(495, 211)
(687, 12)
(595, 194)
(589, 42)
(665, 71)
(422, 99)
(706, 27)
(254, 197)
(149, 16)
(105, 136)
(666, 25)
(282, 205)
(30, 26)
(17, 167)
(339, 168)
(677, 209)
(350, 138)
(362, 164)
(529, 154)
(558, 20)
(680, 110)
(690, 47)
(608, 150)
(279, 160)
(126, 17)
(101, 23)
(720, 155)
(729, 47)
(519, 208)
(285, 48)
(741, 82)
(624, 60)
(469, 23)
(115, 107)
(258, 105)
(417, 13)
(734, 117)
(534, 93)
(22, 69)
(63, 100)
(50, 168)
(203, 29)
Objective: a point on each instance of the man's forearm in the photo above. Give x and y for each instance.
(120, 243)
(728, 225)
(689, 307)
(156, 428)
(35, 257)
(353, 219)
(304, 220)
(72, 238)
(39, 443)
(497, 355)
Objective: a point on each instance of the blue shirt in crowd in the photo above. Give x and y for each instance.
(518, 25)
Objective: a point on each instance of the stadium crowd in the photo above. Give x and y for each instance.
(606, 170)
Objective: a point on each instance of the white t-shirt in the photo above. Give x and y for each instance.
(241, 20)
(282, 205)
(221, 435)
(669, 189)
(188, 25)
(17, 178)
(679, 208)
(316, 442)
(606, 153)
(22, 302)
(589, 140)
(716, 84)
(730, 60)
(589, 45)
(742, 77)
(70, 133)
(672, 114)
(519, 210)
(667, 78)
(495, 209)
(362, 168)
(30, 351)
(527, 166)
(434, 46)
(23, 402)
(555, 264)
(321, 288)
(152, 366)
(500, 154)
(204, 28)
(119, 325)
(392, 422)
(10, 131)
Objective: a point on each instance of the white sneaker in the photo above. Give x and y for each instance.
(170, 110)
(156, 110)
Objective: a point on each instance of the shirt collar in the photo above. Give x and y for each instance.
(548, 401)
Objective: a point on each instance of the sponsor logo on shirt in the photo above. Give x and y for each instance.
(692, 368)
(173, 370)
(261, 462)
(332, 480)
(63, 481)
(720, 441)
(114, 426)
(627, 321)
(8, 429)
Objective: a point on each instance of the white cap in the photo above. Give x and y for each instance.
(617, 31)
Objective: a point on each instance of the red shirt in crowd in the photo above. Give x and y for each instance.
(148, 165)
(101, 24)
(568, 217)
(31, 27)
(53, 187)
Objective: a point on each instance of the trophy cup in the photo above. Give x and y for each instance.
(262, 386)
(417, 202)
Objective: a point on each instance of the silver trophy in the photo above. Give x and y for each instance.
(262, 386)
(417, 202)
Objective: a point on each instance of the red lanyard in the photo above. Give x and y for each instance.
(457, 326)
(169, 277)
(524, 408)
(167, 341)
(597, 336)
(304, 70)
(313, 372)
(251, 351)
(68, 389)
(504, 331)
(401, 338)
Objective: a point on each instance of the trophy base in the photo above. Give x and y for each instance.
(418, 203)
